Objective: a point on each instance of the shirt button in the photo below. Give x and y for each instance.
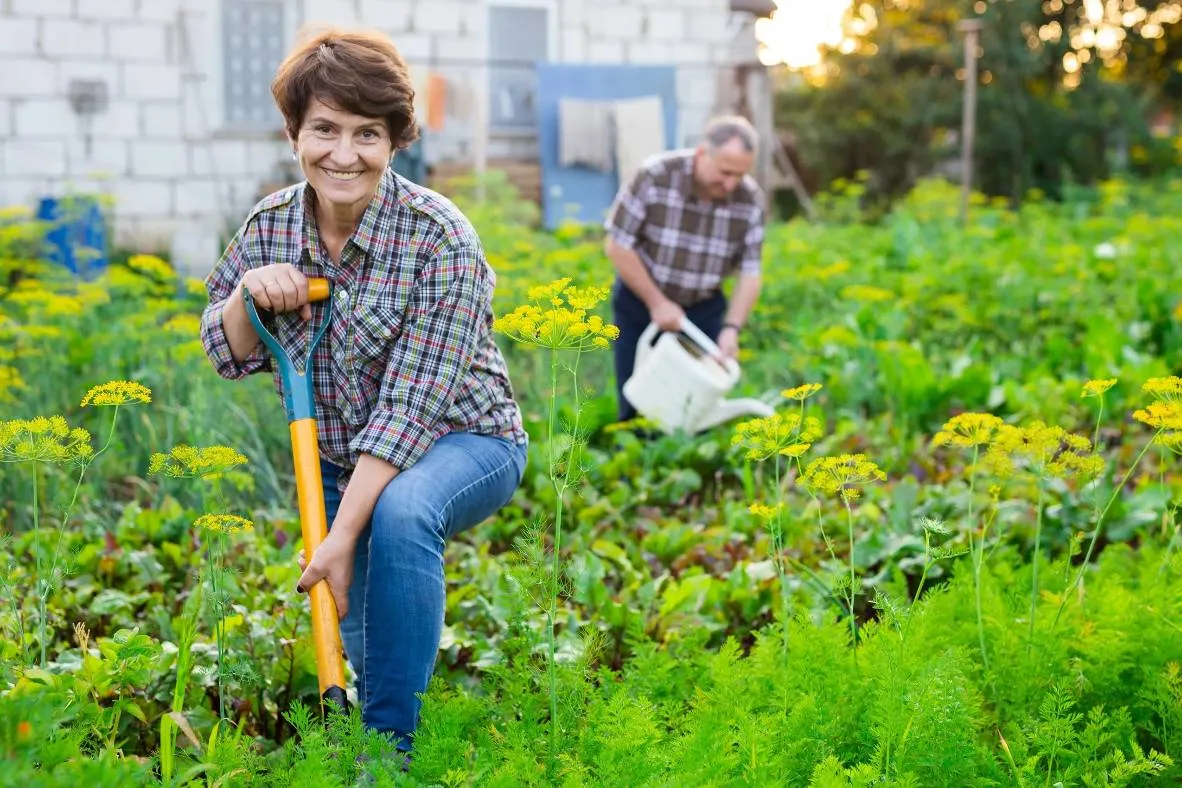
(343, 296)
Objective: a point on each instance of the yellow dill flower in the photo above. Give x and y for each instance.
(10, 381)
(765, 512)
(189, 462)
(1046, 450)
(44, 439)
(35, 332)
(185, 325)
(1171, 441)
(1168, 389)
(1096, 388)
(839, 335)
(16, 213)
(118, 392)
(192, 350)
(801, 393)
(1161, 415)
(224, 523)
(866, 293)
(92, 294)
(784, 434)
(968, 430)
(558, 319)
(152, 266)
(57, 305)
(842, 475)
(569, 230)
(828, 272)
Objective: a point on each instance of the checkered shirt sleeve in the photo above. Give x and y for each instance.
(220, 286)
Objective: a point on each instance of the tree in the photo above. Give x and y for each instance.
(1063, 84)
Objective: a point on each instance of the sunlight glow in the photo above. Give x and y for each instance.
(797, 30)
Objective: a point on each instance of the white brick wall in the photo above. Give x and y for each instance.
(73, 37)
(18, 36)
(171, 163)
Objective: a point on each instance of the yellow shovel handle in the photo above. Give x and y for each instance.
(317, 288)
(314, 523)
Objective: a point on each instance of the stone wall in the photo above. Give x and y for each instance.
(182, 176)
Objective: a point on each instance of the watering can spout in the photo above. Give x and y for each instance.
(730, 409)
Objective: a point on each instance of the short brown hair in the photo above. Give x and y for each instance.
(354, 71)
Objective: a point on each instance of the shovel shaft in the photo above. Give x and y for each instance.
(314, 524)
(299, 401)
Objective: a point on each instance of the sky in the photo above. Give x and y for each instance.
(793, 34)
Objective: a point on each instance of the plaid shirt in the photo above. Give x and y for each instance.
(409, 355)
(687, 244)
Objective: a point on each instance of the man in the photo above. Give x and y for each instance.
(686, 221)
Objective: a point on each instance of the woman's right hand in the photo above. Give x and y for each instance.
(278, 288)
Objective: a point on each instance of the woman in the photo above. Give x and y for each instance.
(419, 433)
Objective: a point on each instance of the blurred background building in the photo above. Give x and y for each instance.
(165, 105)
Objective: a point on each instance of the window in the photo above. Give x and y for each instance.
(518, 37)
(253, 35)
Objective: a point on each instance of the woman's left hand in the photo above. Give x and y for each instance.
(332, 562)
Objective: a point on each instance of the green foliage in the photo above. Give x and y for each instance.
(672, 635)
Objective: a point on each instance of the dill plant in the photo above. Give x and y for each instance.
(558, 321)
(210, 464)
(768, 439)
(1164, 415)
(50, 441)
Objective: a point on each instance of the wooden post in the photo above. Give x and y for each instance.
(971, 28)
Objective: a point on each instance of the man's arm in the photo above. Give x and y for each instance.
(742, 300)
(749, 280)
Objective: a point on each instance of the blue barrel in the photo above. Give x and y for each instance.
(412, 163)
(77, 236)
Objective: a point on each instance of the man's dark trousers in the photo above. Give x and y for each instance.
(631, 316)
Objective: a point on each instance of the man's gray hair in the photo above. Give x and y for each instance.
(722, 129)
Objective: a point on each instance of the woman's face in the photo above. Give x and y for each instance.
(341, 154)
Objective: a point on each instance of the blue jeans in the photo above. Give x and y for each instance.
(396, 602)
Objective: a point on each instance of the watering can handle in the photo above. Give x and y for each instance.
(709, 345)
(645, 345)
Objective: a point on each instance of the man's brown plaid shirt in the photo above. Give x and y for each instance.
(688, 245)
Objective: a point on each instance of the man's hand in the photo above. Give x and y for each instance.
(667, 315)
(728, 342)
(333, 562)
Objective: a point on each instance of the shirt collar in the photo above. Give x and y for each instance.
(375, 222)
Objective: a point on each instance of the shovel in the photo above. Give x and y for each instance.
(301, 416)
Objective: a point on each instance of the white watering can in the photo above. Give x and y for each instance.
(679, 384)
